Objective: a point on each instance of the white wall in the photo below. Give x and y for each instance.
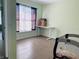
(10, 28)
(39, 15)
(63, 15)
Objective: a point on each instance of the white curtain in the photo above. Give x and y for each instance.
(25, 23)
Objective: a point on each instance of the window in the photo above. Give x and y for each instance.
(0, 18)
(25, 18)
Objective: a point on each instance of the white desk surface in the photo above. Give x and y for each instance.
(45, 27)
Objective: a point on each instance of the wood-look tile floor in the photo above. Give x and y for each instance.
(35, 48)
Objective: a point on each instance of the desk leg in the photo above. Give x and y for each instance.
(50, 31)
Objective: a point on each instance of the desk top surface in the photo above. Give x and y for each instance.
(45, 27)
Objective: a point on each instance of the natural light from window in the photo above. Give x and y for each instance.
(0, 18)
(25, 18)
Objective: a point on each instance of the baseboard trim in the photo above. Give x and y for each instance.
(35, 36)
(42, 36)
(26, 38)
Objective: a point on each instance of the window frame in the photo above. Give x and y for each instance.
(35, 16)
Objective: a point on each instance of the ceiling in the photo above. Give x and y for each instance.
(44, 1)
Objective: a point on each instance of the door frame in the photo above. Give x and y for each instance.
(3, 26)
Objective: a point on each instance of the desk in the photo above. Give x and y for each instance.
(50, 30)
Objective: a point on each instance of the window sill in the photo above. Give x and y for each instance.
(25, 32)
